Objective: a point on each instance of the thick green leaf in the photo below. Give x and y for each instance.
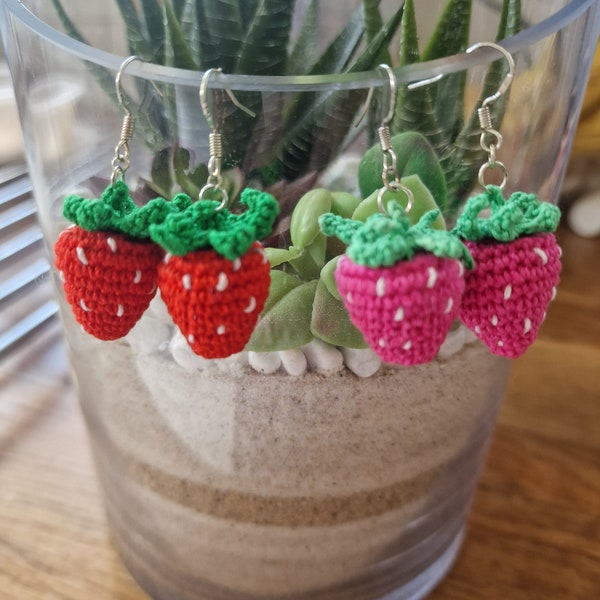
(178, 6)
(304, 224)
(285, 321)
(154, 29)
(328, 120)
(248, 9)
(331, 322)
(278, 256)
(222, 23)
(177, 51)
(461, 162)
(190, 21)
(264, 47)
(328, 277)
(373, 25)
(304, 52)
(138, 45)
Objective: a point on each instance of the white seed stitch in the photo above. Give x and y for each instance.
(251, 305)
(186, 280)
(81, 256)
(120, 310)
(494, 320)
(380, 287)
(381, 343)
(527, 327)
(560, 252)
(190, 338)
(82, 304)
(167, 257)
(221, 329)
(541, 254)
(222, 283)
(112, 244)
(432, 278)
(477, 330)
(349, 298)
(61, 276)
(500, 343)
(151, 292)
(553, 294)
(507, 291)
(461, 268)
(407, 346)
(237, 264)
(449, 306)
(399, 314)
(138, 276)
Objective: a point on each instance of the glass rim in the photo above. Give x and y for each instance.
(298, 83)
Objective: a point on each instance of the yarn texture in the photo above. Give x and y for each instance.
(517, 268)
(401, 284)
(200, 225)
(215, 302)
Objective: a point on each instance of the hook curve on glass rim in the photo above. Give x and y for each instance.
(507, 81)
(491, 139)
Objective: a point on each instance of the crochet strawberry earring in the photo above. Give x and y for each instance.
(401, 283)
(105, 260)
(215, 276)
(517, 259)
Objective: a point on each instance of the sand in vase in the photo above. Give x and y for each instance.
(270, 485)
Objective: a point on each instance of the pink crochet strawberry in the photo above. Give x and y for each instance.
(517, 267)
(401, 285)
(106, 261)
(215, 277)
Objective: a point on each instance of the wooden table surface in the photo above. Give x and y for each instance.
(535, 526)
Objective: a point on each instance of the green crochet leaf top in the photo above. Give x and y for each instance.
(200, 225)
(522, 214)
(116, 211)
(382, 240)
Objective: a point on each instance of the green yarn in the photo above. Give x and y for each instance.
(382, 240)
(116, 211)
(200, 225)
(522, 214)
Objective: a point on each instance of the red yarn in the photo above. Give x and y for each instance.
(508, 291)
(108, 279)
(404, 311)
(215, 302)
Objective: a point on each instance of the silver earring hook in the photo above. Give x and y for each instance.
(204, 98)
(507, 81)
(491, 139)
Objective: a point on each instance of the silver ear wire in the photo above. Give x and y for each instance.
(215, 141)
(491, 139)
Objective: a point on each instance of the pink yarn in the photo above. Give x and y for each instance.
(508, 291)
(404, 311)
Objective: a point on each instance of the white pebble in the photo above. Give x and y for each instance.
(584, 216)
(322, 357)
(294, 362)
(363, 363)
(264, 362)
(453, 343)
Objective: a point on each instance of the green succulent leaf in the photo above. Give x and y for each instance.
(373, 25)
(331, 323)
(138, 45)
(190, 20)
(304, 224)
(279, 256)
(423, 202)
(285, 321)
(154, 30)
(304, 52)
(415, 156)
(222, 27)
(328, 277)
(344, 203)
(177, 51)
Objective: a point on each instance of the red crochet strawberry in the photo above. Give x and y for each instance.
(401, 285)
(517, 267)
(108, 279)
(107, 263)
(215, 278)
(215, 302)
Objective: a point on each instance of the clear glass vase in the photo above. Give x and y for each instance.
(315, 472)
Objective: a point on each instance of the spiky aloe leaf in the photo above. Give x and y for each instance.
(138, 45)
(462, 160)
(222, 23)
(178, 7)
(177, 51)
(264, 47)
(190, 21)
(373, 25)
(153, 27)
(304, 52)
(330, 118)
